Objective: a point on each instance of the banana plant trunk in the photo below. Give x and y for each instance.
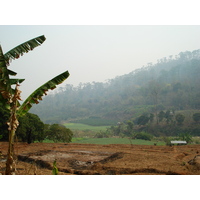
(12, 127)
(10, 155)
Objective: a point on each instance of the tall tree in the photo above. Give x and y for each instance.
(196, 117)
(10, 97)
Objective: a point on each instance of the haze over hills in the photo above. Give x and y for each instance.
(172, 83)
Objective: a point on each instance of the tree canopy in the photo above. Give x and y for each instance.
(58, 133)
(30, 129)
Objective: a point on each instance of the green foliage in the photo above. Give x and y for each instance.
(4, 117)
(55, 169)
(102, 134)
(151, 117)
(25, 47)
(37, 94)
(143, 120)
(130, 126)
(196, 117)
(185, 137)
(58, 133)
(161, 116)
(143, 136)
(196, 140)
(169, 116)
(30, 128)
(167, 140)
(180, 118)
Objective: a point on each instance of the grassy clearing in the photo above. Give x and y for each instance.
(113, 141)
(78, 126)
(110, 141)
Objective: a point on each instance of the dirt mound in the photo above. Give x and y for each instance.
(40, 163)
(113, 157)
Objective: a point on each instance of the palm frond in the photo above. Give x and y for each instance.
(23, 48)
(38, 93)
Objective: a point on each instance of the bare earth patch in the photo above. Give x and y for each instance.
(90, 159)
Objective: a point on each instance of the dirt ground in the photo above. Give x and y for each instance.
(113, 159)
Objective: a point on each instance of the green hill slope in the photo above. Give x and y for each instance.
(169, 84)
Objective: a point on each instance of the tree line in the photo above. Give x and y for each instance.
(147, 127)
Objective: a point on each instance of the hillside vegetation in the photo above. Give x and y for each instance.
(171, 84)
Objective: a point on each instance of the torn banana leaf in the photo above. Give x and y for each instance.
(37, 94)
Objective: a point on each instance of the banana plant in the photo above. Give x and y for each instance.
(55, 169)
(10, 97)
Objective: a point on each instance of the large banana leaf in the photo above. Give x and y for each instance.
(23, 48)
(4, 74)
(37, 94)
(5, 85)
(5, 81)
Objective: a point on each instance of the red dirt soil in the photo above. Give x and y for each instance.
(113, 159)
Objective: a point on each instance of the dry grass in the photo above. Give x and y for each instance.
(37, 159)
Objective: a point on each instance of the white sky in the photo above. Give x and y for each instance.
(97, 52)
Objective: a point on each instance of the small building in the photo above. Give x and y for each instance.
(178, 142)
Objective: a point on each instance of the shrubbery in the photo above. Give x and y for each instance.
(58, 133)
(143, 136)
(102, 134)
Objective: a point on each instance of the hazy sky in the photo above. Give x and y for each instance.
(93, 53)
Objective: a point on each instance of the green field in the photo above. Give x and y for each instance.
(114, 141)
(95, 121)
(78, 126)
(105, 141)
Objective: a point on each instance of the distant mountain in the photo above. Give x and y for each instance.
(171, 83)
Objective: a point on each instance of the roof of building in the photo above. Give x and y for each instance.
(178, 142)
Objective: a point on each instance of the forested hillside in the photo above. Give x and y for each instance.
(172, 83)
